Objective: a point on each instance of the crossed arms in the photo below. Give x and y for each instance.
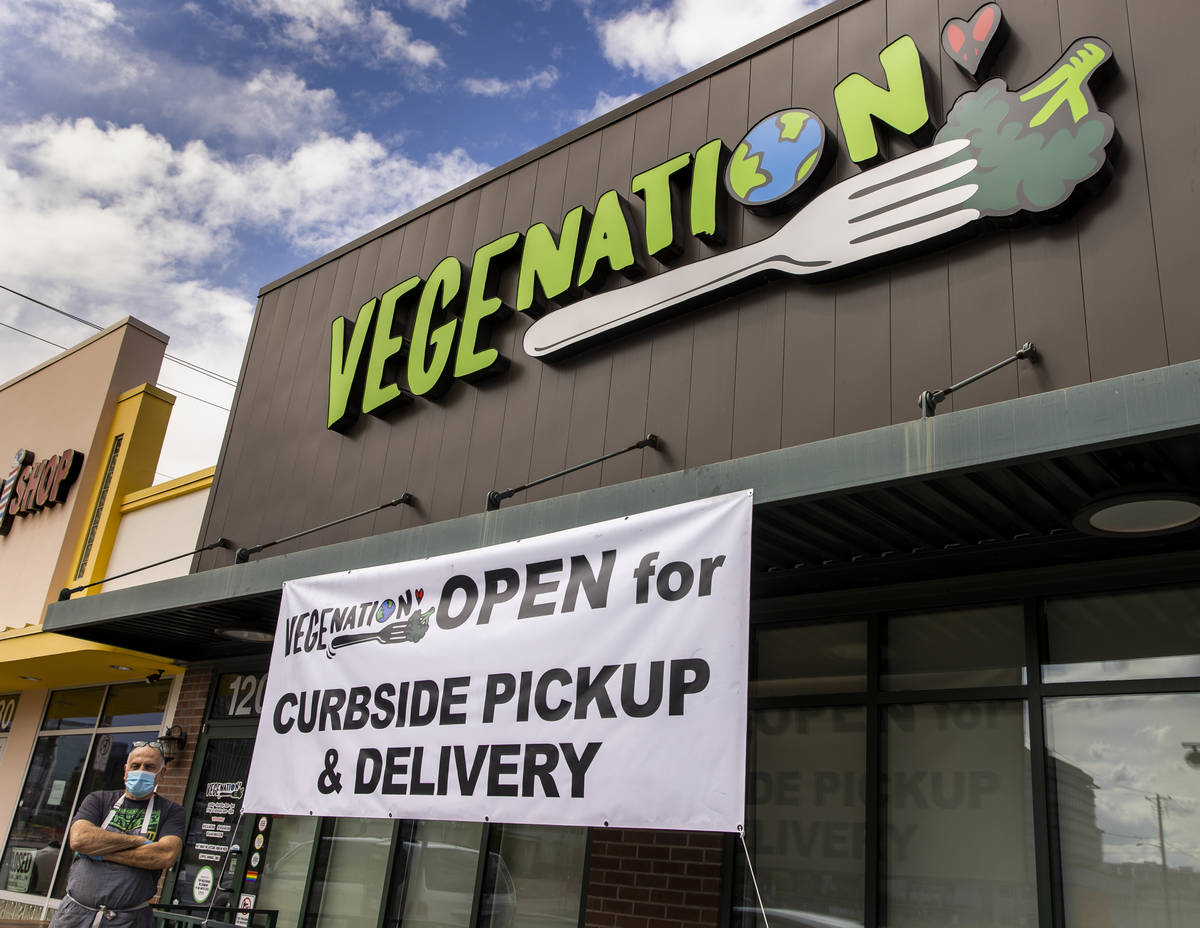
(129, 849)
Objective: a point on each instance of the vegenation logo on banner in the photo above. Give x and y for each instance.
(595, 676)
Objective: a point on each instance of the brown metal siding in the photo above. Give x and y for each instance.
(1103, 293)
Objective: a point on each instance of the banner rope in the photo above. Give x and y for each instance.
(225, 863)
(753, 878)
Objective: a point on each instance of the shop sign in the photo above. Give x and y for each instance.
(20, 869)
(1002, 157)
(595, 676)
(33, 485)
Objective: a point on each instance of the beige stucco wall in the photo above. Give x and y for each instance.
(152, 533)
(65, 403)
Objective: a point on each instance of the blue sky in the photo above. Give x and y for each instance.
(166, 160)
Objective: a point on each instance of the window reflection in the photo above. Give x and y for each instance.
(345, 890)
(982, 646)
(1140, 634)
(442, 866)
(285, 870)
(42, 813)
(1120, 764)
(806, 816)
(136, 703)
(74, 708)
(959, 819)
(826, 658)
(535, 877)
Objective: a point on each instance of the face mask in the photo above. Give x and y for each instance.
(139, 783)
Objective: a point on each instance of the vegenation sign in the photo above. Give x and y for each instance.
(1002, 156)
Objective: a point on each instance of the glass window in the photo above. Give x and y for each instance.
(43, 811)
(1128, 802)
(73, 759)
(805, 825)
(1124, 636)
(74, 708)
(285, 871)
(441, 869)
(962, 647)
(828, 658)
(105, 770)
(136, 704)
(534, 878)
(352, 866)
(959, 839)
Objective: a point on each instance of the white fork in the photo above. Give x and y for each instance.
(896, 205)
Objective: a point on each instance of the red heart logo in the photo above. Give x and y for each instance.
(955, 36)
(420, 596)
(971, 43)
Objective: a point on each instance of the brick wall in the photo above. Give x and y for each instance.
(653, 879)
(189, 715)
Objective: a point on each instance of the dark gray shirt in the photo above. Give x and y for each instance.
(118, 886)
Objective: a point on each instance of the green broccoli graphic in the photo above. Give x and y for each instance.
(1037, 145)
(418, 625)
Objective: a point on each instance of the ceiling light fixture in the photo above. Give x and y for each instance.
(237, 633)
(1140, 512)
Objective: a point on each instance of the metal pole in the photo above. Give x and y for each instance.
(1162, 856)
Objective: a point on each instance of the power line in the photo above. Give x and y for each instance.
(170, 357)
(192, 397)
(164, 386)
(53, 309)
(31, 335)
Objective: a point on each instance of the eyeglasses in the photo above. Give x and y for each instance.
(156, 744)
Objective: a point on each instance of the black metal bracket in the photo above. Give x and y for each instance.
(929, 399)
(242, 555)
(496, 497)
(67, 592)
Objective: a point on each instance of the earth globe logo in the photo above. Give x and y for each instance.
(776, 160)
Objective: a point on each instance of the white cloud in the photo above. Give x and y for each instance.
(605, 103)
(441, 9)
(306, 21)
(81, 33)
(269, 105)
(116, 220)
(662, 42)
(497, 87)
(326, 27)
(396, 42)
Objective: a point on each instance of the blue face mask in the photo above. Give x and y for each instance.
(139, 783)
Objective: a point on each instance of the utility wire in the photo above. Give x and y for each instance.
(164, 386)
(31, 335)
(190, 396)
(62, 312)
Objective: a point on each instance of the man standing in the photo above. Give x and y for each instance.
(123, 840)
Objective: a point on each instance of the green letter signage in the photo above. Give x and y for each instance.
(548, 267)
(432, 375)
(657, 187)
(609, 243)
(378, 397)
(472, 363)
(709, 207)
(902, 105)
(345, 369)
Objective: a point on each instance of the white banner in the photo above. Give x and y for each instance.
(595, 676)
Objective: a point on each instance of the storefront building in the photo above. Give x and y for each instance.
(975, 623)
(80, 505)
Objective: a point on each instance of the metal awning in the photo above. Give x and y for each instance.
(978, 489)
